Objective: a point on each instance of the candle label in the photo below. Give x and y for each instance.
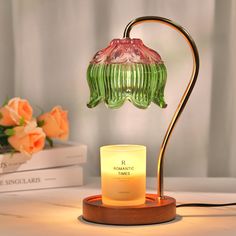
(123, 169)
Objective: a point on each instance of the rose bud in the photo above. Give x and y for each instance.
(55, 123)
(17, 112)
(27, 139)
(5, 118)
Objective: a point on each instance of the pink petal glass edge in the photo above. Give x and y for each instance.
(126, 51)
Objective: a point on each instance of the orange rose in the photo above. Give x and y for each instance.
(55, 123)
(27, 139)
(17, 112)
(20, 109)
(5, 118)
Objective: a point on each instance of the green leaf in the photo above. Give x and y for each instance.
(50, 142)
(3, 140)
(6, 101)
(41, 123)
(22, 121)
(9, 132)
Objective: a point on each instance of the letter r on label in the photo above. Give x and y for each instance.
(122, 162)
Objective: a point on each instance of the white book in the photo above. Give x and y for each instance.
(62, 154)
(42, 179)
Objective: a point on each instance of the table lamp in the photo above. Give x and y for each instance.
(129, 70)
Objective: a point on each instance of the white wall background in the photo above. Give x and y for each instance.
(46, 47)
(6, 51)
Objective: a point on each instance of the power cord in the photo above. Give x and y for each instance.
(206, 204)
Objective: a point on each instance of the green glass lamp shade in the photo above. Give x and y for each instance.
(126, 70)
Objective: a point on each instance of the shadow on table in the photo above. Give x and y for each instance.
(80, 218)
(211, 215)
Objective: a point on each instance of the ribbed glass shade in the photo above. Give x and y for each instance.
(127, 70)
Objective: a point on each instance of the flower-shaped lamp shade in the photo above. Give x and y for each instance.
(126, 70)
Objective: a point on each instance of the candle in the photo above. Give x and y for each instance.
(123, 174)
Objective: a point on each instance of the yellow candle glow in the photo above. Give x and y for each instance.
(123, 173)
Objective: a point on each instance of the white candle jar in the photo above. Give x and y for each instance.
(123, 174)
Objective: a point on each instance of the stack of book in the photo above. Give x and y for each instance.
(55, 167)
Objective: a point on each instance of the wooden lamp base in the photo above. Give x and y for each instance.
(152, 212)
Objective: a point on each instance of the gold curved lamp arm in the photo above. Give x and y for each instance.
(186, 94)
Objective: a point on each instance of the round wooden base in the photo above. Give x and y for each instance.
(152, 212)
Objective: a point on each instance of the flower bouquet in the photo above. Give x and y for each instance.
(25, 134)
(22, 132)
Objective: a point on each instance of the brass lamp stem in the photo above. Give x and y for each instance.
(186, 94)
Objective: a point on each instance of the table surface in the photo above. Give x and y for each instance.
(55, 211)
